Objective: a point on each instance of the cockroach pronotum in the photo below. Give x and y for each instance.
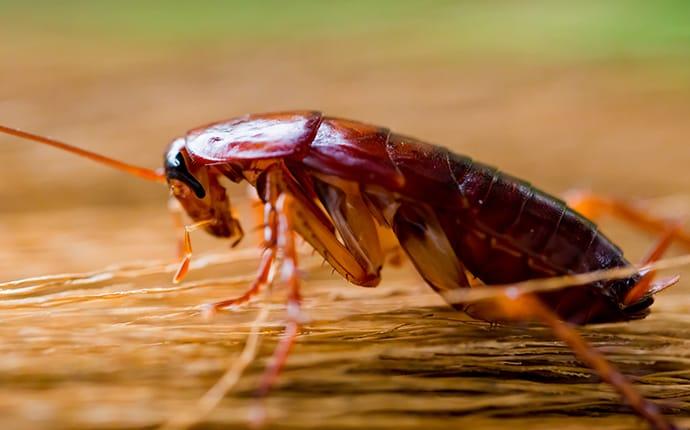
(338, 183)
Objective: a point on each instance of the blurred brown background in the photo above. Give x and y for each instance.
(564, 94)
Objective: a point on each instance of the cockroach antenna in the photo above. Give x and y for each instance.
(140, 172)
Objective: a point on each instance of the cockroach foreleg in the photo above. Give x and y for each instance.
(354, 222)
(593, 206)
(187, 249)
(529, 307)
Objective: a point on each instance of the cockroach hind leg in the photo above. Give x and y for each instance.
(529, 307)
(593, 206)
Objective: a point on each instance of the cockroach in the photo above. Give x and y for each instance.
(338, 183)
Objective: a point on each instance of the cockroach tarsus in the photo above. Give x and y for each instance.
(338, 183)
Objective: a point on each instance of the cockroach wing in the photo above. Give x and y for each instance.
(354, 151)
(254, 137)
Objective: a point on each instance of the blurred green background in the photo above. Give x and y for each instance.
(538, 29)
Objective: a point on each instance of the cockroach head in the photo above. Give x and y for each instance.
(197, 188)
(176, 169)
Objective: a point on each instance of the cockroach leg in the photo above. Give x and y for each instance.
(355, 268)
(262, 279)
(529, 307)
(645, 284)
(257, 209)
(593, 206)
(187, 248)
(354, 222)
(269, 237)
(290, 278)
(296, 214)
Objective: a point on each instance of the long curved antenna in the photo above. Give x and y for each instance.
(141, 172)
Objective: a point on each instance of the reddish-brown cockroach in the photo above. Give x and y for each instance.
(336, 182)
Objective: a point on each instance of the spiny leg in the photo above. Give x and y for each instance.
(593, 206)
(258, 213)
(262, 279)
(529, 307)
(352, 219)
(268, 256)
(290, 278)
(314, 227)
(297, 214)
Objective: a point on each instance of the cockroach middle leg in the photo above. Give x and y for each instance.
(528, 307)
(262, 279)
(289, 278)
(296, 214)
(257, 210)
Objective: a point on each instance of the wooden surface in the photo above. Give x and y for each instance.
(124, 348)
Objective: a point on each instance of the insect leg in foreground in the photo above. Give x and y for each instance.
(289, 277)
(270, 232)
(296, 214)
(529, 307)
(523, 307)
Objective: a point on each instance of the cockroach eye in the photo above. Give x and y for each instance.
(176, 168)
